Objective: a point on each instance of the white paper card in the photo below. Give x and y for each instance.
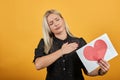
(100, 47)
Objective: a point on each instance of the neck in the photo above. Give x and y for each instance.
(62, 35)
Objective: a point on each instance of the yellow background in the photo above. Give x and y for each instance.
(20, 32)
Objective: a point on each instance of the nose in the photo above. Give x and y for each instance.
(56, 23)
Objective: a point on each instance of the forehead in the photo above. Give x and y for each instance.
(52, 17)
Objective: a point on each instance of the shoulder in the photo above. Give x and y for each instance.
(41, 42)
(81, 41)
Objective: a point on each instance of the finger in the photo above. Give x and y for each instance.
(104, 63)
(74, 44)
(104, 66)
(104, 70)
(66, 43)
(101, 66)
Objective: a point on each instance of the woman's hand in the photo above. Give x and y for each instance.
(104, 67)
(67, 48)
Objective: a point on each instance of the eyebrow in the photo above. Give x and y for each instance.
(52, 20)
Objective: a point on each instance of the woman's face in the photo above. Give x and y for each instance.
(56, 23)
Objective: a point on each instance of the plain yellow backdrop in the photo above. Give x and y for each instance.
(20, 32)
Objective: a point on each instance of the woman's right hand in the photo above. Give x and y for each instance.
(67, 48)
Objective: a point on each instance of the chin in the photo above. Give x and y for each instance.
(58, 32)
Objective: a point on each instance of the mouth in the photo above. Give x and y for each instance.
(57, 28)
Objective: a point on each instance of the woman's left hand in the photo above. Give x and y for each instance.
(104, 66)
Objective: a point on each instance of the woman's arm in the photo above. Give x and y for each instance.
(45, 61)
(42, 62)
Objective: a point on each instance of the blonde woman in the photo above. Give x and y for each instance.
(56, 51)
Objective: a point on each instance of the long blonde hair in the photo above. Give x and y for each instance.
(47, 34)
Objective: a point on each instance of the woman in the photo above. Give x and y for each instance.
(56, 51)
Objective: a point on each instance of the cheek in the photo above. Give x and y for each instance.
(61, 22)
(63, 25)
(51, 28)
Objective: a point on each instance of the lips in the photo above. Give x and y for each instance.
(57, 28)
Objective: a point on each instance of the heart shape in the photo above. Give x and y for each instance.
(97, 52)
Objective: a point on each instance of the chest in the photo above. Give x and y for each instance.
(58, 44)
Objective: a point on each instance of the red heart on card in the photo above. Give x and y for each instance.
(97, 52)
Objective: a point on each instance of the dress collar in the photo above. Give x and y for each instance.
(65, 40)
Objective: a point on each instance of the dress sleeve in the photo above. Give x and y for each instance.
(82, 42)
(39, 51)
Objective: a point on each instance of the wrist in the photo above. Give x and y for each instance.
(100, 72)
(61, 52)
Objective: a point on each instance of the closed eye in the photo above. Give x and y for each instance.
(51, 23)
(57, 19)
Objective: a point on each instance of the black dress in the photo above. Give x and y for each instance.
(67, 67)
